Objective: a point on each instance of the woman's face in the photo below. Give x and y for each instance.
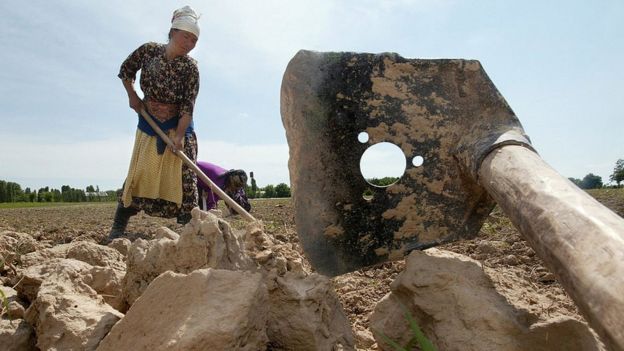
(184, 41)
(230, 189)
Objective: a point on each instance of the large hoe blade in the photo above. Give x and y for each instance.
(474, 154)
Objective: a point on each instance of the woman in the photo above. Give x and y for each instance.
(232, 182)
(158, 182)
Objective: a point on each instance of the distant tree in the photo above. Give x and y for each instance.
(618, 172)
(575, 181)
(254, 186)
(269, 191)
(77, 195)
(385, 181)
(282, 190)
(10, 192)
(40, 195)
(66, 193)
(90, 189)
(13, 192)
(3, 191)
(56, 195)
(112, 195)
(591, 181)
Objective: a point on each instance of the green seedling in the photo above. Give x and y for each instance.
(5, 305)
(417, 337)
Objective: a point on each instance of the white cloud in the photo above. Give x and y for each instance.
(270, 27)
(246, 41)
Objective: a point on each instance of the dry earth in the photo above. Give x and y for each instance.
(499, 246)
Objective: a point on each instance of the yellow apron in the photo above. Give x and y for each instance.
(151, 175)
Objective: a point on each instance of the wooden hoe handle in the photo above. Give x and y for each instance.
(198, 171)
(578, 238)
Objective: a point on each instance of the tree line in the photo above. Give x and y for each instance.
(592, 181)
(13, 192)
(270, 191)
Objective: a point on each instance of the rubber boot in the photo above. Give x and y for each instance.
(184, 218)
(122, 216)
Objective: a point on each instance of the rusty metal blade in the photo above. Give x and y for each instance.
(446, 111)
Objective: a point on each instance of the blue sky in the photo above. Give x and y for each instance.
(64, 114)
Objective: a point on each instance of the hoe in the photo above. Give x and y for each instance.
(472, 152)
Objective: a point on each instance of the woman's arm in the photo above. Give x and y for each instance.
(128, 70)
(134, 100)
(178, 139)
(187, 105)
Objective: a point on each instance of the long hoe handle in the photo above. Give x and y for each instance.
(198, 171)
(578, 238)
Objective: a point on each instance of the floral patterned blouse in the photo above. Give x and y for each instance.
(166, 81)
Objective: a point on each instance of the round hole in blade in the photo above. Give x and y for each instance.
(418, 161)
(368, 194)
(363, 137)
(382, 164)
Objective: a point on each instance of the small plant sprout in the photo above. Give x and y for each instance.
(5, 305)
(417, 336)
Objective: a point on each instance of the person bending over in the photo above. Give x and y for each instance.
(232, 182)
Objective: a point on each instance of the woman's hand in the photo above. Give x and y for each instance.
(178, 143)
(178, 139)
(135, 102)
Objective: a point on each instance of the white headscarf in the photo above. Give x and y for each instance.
(186, 18)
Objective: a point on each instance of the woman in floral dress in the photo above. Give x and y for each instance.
(158, 182)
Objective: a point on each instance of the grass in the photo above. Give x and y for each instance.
(617, 192)
(610, 197)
